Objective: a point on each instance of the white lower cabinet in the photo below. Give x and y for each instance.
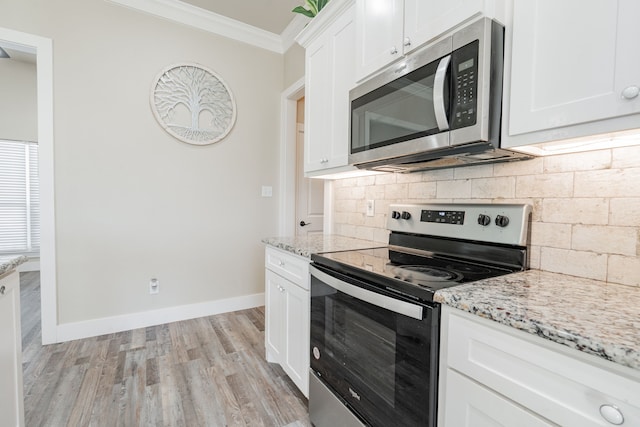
(287, 315)
(478, 406)
(490, 373)
(11, 403)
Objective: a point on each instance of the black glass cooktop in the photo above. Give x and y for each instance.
(409, 273)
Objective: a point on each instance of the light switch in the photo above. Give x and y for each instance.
(370, 207)
(267, 191)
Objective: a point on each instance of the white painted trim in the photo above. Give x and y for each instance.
(126, 322)
(288, 130)
(44, 76)
(290, 33)
(196, 17)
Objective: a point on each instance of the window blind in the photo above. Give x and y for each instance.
(19, 197)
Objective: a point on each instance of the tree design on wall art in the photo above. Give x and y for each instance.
(193, 104)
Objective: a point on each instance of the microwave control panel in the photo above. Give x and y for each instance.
(464, 79)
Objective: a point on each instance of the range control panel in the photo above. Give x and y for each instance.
(442, 217)
(495, 223)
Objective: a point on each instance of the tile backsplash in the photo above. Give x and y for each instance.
(586, 206)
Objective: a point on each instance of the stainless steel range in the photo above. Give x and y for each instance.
(374, 325)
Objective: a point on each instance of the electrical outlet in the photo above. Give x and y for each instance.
(370, 207)
(154, 286)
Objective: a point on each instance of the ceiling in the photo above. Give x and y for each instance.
(269, 15)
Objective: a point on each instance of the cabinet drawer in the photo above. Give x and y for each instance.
(289, 266)
(563, 389)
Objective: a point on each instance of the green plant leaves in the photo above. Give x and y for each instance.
(314, 6)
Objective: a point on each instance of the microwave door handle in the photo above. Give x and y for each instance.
(438, 93)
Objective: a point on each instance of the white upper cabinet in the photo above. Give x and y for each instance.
(389, 29)
(575, 69)
(329, 61)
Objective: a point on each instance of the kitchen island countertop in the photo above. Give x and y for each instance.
(10, 262)
(599, 318)
(319, 243)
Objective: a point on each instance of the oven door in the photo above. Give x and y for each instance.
(376, 351)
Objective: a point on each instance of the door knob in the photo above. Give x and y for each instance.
(302, 223)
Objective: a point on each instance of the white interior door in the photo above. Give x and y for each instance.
(309, 194)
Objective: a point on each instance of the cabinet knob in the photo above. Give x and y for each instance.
(280, 288)
(630, 92)
(407, 41)
(281, 263)
(612, 414)
(394, 50)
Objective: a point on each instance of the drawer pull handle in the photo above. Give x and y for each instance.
(612, 414)
(2, 289)
(281, 263)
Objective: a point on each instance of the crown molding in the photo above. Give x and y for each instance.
(177, 11)
(289, 34)
(323, 20)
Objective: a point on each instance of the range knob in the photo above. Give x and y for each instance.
(395, 215)
(405, 215)
(484, 220)
(502, 221)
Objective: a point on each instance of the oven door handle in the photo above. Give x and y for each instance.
(379, 300)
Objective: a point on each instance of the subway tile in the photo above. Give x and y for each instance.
(625, 211)
(454, 189)
(575, 263)
(605, 239)
(551, 235)
(422, 190)
(356, 218)
(608, 183)
(591, 160)
(480, 171)
(403, 178)
(345, 206)
(396, 191)
(576, 210)
(438, 175)
(534, 257)
(385, 178)
(624, 270)
(380, 235)
(548, 185)
(626, 157)
(525, 167)
(365, 233)
(364, 181)
(494, 188)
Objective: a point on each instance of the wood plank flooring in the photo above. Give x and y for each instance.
(203, 372)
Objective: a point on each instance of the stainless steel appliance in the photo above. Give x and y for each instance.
(440, 107)
(374, 325)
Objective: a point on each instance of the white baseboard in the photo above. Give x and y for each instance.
(108, 325)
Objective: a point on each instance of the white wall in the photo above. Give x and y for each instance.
(18, 101)
(131, 201)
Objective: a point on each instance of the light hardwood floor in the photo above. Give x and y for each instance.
(203, 372)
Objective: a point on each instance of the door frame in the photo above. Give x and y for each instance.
(288, 129)
(42, 47)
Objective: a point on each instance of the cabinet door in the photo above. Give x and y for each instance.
(11, 399)
(342, 38)
(379, 34)
(275, 318)
(296, 360)
(425, 20)
(317, 132)
(472, 405)
(571, 62)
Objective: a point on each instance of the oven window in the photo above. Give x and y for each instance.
(398, 111)
(383, 364)
(369, 347)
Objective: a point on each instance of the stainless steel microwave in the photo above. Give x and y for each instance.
(439, 107)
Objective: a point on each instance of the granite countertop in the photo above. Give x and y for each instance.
(318, 243)
(9, 262)
(595, 317)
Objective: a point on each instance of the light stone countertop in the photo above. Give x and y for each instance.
(318, 243)
(595, 317)
(8, 263)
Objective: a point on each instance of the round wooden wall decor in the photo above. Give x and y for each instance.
(193, 104)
